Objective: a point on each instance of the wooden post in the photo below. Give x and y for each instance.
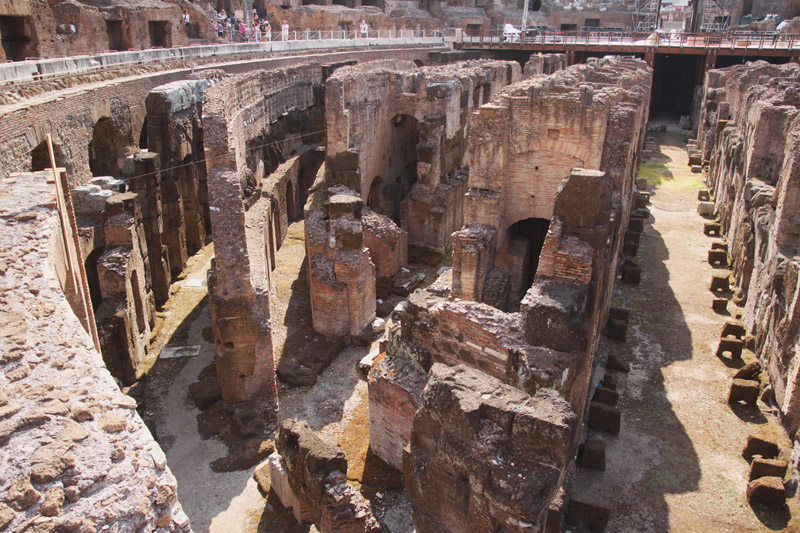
(69, 232)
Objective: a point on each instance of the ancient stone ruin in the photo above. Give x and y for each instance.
(362, 281)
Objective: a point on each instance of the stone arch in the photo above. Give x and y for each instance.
(519, 254)
(590, 158)
(40, 157)
(105, 148)
(399, 171)
(291, 211)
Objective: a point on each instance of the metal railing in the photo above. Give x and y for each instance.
(33, 70)
(562, 39)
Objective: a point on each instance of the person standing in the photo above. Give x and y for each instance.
(267, 31)
(364, 29)
(285, 31)
(185, 19)
(242, 30)
(256, 32)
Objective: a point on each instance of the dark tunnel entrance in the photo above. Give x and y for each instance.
(675, 78)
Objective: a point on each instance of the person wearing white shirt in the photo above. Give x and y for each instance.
(364, 29)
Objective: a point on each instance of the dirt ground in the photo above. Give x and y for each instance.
(677, 463)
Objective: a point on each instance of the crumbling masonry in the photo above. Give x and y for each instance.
(568, 158)
(394, 177)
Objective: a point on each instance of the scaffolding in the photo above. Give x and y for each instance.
(645, 17)
(715, 15)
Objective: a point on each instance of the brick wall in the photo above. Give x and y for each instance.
(395, 385)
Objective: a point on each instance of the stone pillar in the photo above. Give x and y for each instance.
(146, 183)
(239, 299)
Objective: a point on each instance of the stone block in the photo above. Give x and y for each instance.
(344, 205)
(719, 304)
(553, 315)
(630, 249)
(731, 348)
(641, 184)
(593, 511)
(617, 329)
(761, 445)
(712, 229)
(748, 371)
(705, 209)
(744, 390)
(604, 417)
(468, 424)
(720, 282)
(767, 491)
(636, 223)
(719, 245)
(592, 454)
(718, 258)
(279, 482)
(631, 272)
(767, 468)
(697, 169)
(733, 328)
(308, 461)
(606, 396)
(632, 237)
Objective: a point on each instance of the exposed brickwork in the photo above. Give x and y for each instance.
(395, 385)
(484, 455)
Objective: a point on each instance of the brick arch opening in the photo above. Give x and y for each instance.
(399, 173)
(519, 254)
(291, 211)
(143, 135)
(105, 148)
(40, 157)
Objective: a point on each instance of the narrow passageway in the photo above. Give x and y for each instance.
(677, 464)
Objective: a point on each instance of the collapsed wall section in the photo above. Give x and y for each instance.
(253, 126)
(750, 139)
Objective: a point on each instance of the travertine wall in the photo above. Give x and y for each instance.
(26, 119)
(374, 108)
(750, 135)
(252, 123)
(75, 454)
